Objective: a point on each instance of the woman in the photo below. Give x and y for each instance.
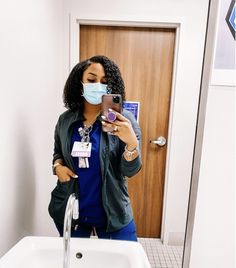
(99, 180)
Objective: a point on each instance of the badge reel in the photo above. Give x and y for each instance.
(76, 210)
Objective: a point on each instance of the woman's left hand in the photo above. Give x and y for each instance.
(123, 129)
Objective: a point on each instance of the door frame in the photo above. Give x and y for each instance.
(74, 32)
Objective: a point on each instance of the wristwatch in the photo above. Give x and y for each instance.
(129, 153)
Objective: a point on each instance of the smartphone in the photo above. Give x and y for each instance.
(114, 102)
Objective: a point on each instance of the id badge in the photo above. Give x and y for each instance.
(81, 149)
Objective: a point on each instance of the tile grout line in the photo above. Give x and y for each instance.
(161, 256)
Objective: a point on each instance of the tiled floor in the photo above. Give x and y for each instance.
(162, 256)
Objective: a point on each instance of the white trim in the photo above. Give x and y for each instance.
(128, 23)
(74, 42)
(164, 236)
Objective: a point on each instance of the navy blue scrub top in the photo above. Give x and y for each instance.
(91, 210)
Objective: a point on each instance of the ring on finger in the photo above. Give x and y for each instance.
(115, 129)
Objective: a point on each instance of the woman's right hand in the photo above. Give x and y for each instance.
(64, 174)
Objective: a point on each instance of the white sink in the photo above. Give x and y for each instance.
(47, 252)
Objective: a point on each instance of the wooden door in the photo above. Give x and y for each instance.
(145, 58)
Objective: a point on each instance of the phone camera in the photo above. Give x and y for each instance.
(116, 99)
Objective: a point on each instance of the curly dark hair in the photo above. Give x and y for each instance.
(72, 95)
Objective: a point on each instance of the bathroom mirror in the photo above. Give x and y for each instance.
(158, 48)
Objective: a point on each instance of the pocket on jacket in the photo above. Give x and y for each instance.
(59, 198)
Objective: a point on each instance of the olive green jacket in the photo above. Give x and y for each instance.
(114, 168)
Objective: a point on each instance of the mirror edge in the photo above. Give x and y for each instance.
(208, 55)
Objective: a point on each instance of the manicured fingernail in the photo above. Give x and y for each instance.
(110, 110)
(75, 176)
(103, 117)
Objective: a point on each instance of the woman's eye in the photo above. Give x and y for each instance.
(91, 80)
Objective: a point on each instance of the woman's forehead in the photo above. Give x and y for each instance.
(95, 69)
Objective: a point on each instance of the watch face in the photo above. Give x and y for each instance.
(129, 154)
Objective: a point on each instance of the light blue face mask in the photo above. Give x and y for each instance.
(93, 92)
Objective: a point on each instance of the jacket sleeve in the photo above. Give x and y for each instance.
(130, 168)
(57, 153)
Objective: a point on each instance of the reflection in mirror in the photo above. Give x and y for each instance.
(162, 76)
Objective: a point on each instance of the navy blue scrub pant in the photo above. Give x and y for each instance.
(126, 233)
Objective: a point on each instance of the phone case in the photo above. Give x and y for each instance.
(114, 102)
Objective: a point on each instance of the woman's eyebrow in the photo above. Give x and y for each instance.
(92, 74)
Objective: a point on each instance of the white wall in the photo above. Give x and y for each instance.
(213, 241)
(191, 16)
(31, 84)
